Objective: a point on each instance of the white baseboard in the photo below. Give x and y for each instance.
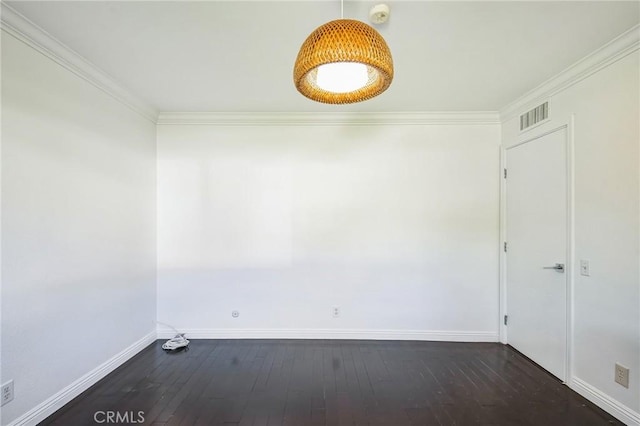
(245, 333)
(57, 401)
(604, 401)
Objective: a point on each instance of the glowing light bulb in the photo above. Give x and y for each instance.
(342, 77)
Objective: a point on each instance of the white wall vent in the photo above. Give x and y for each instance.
(534, 116)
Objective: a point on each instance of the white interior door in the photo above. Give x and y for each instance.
(536, 202)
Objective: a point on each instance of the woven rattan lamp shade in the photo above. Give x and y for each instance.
(343, 40)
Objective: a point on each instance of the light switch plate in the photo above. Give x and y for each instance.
(585, 268)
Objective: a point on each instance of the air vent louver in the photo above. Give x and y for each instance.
(534, 116)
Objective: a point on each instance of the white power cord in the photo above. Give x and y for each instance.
(177, 342)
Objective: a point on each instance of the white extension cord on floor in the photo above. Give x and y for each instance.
(175, 343)
(179, 341)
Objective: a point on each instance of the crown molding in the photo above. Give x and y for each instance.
(623, 45)
(18, 26)
(328, 118)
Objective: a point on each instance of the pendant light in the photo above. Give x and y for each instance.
(343, 61)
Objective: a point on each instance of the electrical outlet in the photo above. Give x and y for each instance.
(622, 375)
(335, 311)
(235, 314)
(7, 392)
(584, 268)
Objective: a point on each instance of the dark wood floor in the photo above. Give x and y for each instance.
(333, 382)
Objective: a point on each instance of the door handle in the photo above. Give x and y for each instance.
(558, 267)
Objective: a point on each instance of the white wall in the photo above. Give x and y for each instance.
(606, 305)
(78, 221)
(397, 225)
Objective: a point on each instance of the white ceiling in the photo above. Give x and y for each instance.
(237, 56)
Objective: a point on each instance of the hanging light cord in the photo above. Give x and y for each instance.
(341, 9)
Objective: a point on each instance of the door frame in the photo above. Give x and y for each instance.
(521, 139)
